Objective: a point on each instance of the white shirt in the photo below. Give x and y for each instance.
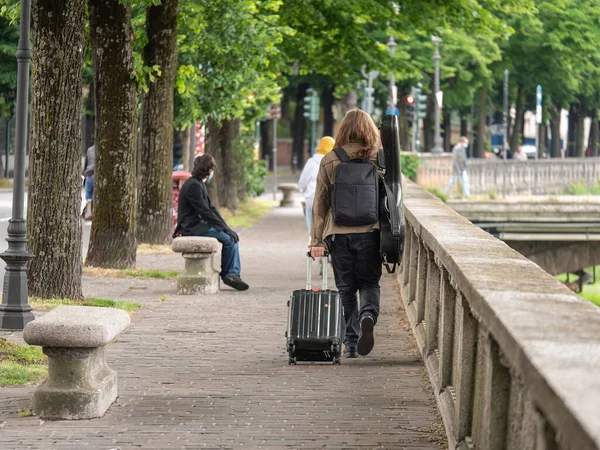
(308, 180)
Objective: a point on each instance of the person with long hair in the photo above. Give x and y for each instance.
(354, 249)
(197, 216)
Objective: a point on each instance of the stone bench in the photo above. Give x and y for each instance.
(288, 190)
(79, 385)
(199, 276)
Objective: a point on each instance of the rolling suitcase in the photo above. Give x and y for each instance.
(315, 322)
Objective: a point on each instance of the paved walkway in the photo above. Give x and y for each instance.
(212, 372)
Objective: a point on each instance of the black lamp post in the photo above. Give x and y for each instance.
(15, 311)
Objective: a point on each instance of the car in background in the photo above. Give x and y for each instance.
(529, 150)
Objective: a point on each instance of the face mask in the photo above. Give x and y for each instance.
(210, 177)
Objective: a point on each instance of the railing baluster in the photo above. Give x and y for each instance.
(464, 366)
(446, 329)
(432, 304)
(421, 282)
(413, 266)
(406, 257)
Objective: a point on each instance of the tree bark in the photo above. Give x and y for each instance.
(555, 131)
(580, 133)
(328, 100)
(542, 140)
(113, 236)
(594, 134)
(481, 116)
(572, 131)
(299, 126)
(53, 221)
(155, 196)
(89, 119)
(447, 127)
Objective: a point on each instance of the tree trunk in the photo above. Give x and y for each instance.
(349, 102)
(113, 236)
(580, 133)
(328, 100)
(155, 196)
(226, 174)
(464, 126)
(555, 131)
(184, 139)
(594, 134)
(266, 142)
(481, 116)
(542, 140)
(299, 127)
(515, 138)
(53, 221)
(428, 123)
(403, 123)
(572, 131)
(213, 148)
(89, 123)
(447, 126)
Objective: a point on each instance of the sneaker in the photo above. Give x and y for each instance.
(366, 341)
(235, 282)
(350, 352)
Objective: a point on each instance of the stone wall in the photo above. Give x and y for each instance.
(512, 354)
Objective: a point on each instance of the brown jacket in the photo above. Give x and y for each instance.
(322, 222)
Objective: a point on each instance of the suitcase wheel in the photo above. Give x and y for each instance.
(292, 360)
(336, 360)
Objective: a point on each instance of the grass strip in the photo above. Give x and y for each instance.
(21, 364)
(248, 213)
(47, 304)
(131, 273)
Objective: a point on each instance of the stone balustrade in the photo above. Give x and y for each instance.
(512, 354)
(508, 178)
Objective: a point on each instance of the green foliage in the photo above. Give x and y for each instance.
(21, 364)
(410, 166)
(151, 273)
(438, 193)
(251, 173)
(256, 175)
(584, 189)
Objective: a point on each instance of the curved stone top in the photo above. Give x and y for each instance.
(195, 244)
(76, 326)
(288, 187)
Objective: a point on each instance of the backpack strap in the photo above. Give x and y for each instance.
(392, 208)
(341, 153)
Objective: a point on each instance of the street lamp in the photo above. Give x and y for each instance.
(370, 76)
(391, 45)
(437, 147)
(15, 311)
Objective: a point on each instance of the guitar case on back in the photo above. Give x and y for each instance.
(391, 208)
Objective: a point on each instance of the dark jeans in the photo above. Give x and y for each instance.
(356, 263)
(230, 255)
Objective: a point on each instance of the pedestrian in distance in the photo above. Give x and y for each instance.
(88, 181)
(519, 155)
(308, 179)
(197, 216)
(345, 222)
(459, 166)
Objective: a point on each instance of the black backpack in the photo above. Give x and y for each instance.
(354, 193)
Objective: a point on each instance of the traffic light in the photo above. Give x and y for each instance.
(420, 102)
(311, 105)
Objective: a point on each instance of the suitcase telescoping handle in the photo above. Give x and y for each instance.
(309, 272)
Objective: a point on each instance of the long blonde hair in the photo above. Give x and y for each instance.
(358, 128)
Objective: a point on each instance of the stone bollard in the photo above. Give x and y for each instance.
(288, 190)
(199, 276)
(79, 385)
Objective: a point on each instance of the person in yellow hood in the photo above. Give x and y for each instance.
(308, 179)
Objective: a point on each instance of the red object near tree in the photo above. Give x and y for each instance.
(178, 178)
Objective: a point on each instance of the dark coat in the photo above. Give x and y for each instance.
(196, 213)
